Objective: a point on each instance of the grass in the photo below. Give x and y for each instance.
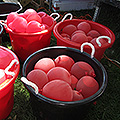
(107, 106)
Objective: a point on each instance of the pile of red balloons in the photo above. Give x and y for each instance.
(81, 33)
(63, 79)
(29, 22)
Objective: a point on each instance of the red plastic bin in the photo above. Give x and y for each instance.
(11, 67)
(103, 30)
(25, 44)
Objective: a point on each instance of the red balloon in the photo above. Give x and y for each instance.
(18, 25)
(65, 35)
(59, 73)
(34, 26)
(80, 69)
(93, 33)
(48, 20)
(69, 29)
(11, 17)
(64, 61)
(38, 77)
(102, 41)
(89, 38)
(67, 38)
(42, 14)
(79, 38)
(78, 31)
(88, 86)
(45, 64)
(74, 81)
(28, 12)
(84, 26)
(34, 17)
(77, 96)
(58, 90)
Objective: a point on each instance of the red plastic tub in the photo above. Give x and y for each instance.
(25, 44)
(11, 67)
(104, 31)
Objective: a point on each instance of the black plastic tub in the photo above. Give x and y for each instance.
(7, 7)
(49, 109)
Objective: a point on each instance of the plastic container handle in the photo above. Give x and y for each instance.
(68, 14)
(89, 44)
(98, 42)
(10, 65)
(23, 79)
(56, 14)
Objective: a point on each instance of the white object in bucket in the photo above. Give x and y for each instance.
(98, 42)
(89, 44)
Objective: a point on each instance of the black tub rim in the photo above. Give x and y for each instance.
(72, 103)
(1, 29)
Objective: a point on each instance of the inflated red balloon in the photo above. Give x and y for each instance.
(11, 17)
(79, 38)
(102, 41)
(69, 29)
(93, 33)
(48, 20)
(59, 73)
(34, 26)
(77, 96)
(18, 25)
(5, 59)
(38, 77)
(89, 38)
(64, 61)
(45, 64)
(42, 14)
(88, 86)
(28, 12)
(58, 90)
(34, 17)
(2, 76)
(78, 31)
(65, 35)
(74, 81)
(67, 38)
(80, 69)
(84, 26)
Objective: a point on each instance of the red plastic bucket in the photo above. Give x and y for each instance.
(25, 44)
(104, 31)
(11, 67)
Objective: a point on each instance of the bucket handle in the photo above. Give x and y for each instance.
(56, 14)
(23, 79)
(10, 65)
(98, 42)
(89, 44)
(68, 14)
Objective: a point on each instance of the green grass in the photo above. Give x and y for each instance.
(107, 106)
